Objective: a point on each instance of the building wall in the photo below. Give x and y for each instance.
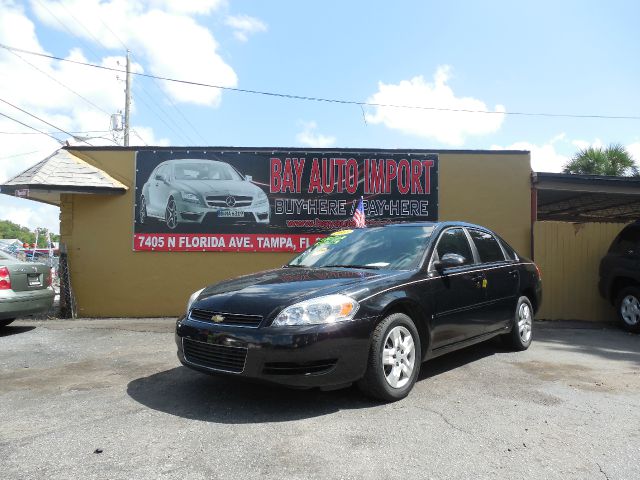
(110, 279)
(568, 255)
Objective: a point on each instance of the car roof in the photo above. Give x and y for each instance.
(437, 224)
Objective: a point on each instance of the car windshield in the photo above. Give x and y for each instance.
(389, 248)
(205, 171)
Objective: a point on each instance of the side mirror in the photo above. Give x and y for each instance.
(160, 178)
(449, 260)
(248, 178)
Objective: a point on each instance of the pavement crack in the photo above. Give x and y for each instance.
(446, 420)
(602, 471)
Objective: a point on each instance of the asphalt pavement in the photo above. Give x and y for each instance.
(108, 399)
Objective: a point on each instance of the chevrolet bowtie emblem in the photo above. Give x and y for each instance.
(217, 319)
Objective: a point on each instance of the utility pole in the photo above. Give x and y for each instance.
(127, 102)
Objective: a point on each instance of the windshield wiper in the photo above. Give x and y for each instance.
(368, 267)
(289, 265)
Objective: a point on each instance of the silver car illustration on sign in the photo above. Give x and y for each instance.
(187, 190)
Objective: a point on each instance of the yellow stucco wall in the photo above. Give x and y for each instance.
(568, 255)
(110, 279)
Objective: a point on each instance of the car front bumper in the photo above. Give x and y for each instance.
(305, 357)
(195, 213)
(21, 304)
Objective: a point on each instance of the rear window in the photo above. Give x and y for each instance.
(488, 247)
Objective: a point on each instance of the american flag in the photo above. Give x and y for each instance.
(358, 215)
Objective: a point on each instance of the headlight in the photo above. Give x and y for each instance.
(193, 298)
(260, 199)
(190, 197)
(329, 309)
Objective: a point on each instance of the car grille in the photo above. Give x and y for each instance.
(307, 368)
(229, 319)
(228, 201)
(218, 357)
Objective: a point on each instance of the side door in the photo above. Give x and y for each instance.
(501, 283)
(457, 291)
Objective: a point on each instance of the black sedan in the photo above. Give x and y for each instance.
(367, 306)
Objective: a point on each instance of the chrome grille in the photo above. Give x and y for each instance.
(228, 201)
(228, 319)
(217, 357)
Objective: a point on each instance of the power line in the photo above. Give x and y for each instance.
(161, 114)
(19, 154)
(175, 107)
(43, 121)
(329, 100)
(32, 128)
(61, 84)
(38, 133)
(64, 25)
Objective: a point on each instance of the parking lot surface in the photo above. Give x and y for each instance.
(96, 399)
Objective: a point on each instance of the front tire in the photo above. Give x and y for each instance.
(394, 361)
(521, 333)
(171, 214)
(628, 308)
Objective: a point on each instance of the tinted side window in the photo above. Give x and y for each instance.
(454, 240)
(487, 246)
(627, 240)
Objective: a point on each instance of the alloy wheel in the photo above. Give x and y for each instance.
(398, 357)
(525, 322)
(630, 310)
(143, 210)
(171, 215)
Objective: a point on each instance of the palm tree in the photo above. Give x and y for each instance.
(613, 160)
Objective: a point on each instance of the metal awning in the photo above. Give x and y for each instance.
(586, 198)
(62, 172)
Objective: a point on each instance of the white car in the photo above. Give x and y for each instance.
(188, 190)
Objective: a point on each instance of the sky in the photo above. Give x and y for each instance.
(502, 57)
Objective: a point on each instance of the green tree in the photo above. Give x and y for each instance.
(612, 160)
(9, 229)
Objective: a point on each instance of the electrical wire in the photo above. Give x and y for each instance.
(161, 113)
(329, 100)
(38, 133)
(19, 154)
(61, 84)
(42, 120)
(32, 128)
(64, 25)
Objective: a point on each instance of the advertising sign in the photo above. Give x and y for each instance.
(274, 200)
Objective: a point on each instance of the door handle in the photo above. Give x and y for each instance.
(477, 278)
(514, 273)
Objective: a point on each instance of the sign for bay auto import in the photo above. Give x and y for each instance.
(274, 200)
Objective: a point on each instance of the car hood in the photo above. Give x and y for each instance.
(267, 292)
(216, 187)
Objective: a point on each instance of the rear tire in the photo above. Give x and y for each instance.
(521, 334)
(628, 308)
(5, 322)
(394, 360)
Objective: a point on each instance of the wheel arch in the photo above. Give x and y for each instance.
(413, 310)
(617, 284)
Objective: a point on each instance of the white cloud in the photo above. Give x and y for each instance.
(200, 7)
(634, 150)
(544, 158)
(30, 214)
(164, 33)
(309, 138)
(551, 157)
(244, 25)
(451, 128)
